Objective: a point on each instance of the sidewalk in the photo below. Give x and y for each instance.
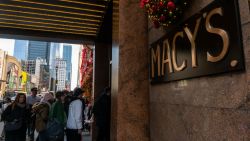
(85, 135)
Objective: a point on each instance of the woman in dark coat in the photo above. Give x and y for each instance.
(14, 113)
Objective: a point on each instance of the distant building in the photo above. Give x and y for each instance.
(30, 50)
(54, 53)
(38, 49)
(29, 66)
(44, 77)
(61, 74)
(21, 49)
(67, 55)
(39, 63)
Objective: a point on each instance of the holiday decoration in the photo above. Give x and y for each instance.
(164, 12)
(86, 71)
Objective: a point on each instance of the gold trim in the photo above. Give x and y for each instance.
(81, 27)
(53, 20)
(38, 26)
(49, 15)
(56, 11)
(16, 27)
(61, 6)
(84, 3)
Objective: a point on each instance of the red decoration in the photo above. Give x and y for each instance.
(162, 18)
(86, 71)
(160, 4)
(163, 12)
(143, 3)
(171, 6)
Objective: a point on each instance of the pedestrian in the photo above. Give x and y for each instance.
(7, 102)
(101, 111)
(83, 109)
(31, 100)
(74, 122)
(87, 115)
(52, 93)
(41, 111)
(15, 117)
(57, 111)
(67, 100)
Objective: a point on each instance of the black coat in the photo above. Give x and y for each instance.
(101, 110)
(17, 112)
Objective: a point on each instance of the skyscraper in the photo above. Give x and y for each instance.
(67, 55)
(21, 49)
(54, 53)
(38, 49)
(60, 74)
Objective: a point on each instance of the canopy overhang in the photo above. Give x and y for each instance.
(72, 20)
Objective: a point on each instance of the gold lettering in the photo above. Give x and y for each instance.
(168, 59)
(155, 58)
(192, 38)
(221, 32)
(174, 58)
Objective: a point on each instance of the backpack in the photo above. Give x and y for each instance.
(55, 130)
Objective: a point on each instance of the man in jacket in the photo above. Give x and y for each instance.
(101, 111)
(31, 100)
(74, 122)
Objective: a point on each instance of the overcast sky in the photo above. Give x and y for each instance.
(8, 45)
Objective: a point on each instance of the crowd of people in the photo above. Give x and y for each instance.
(53, 116)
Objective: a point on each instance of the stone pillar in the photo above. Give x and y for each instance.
(101, 74)
(132, 91)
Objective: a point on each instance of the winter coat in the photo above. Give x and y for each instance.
(41, 111)
(15, 113)
(75, 115)
(57, 112)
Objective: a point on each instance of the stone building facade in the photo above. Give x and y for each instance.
(207, 108)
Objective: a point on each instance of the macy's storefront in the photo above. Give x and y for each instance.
(191, 83)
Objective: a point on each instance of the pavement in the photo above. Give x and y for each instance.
(86, 135)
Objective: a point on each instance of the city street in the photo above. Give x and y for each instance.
(86, 135)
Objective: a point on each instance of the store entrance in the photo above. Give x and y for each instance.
(56, 46)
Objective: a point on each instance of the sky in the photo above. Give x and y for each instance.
(8, 45)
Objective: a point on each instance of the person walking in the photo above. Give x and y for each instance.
(15, 117)
(57, 111)
(74, 122)
(31, 100)
(41, 111)
(101, 112)
(68, 98)
(5, 105)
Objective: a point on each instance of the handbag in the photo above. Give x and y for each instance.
(13, 125)
(55, 130)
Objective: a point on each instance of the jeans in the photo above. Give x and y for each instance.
(31, 130)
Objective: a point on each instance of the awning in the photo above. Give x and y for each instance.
(70, 19)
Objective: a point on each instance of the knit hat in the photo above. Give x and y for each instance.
(47, 97)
